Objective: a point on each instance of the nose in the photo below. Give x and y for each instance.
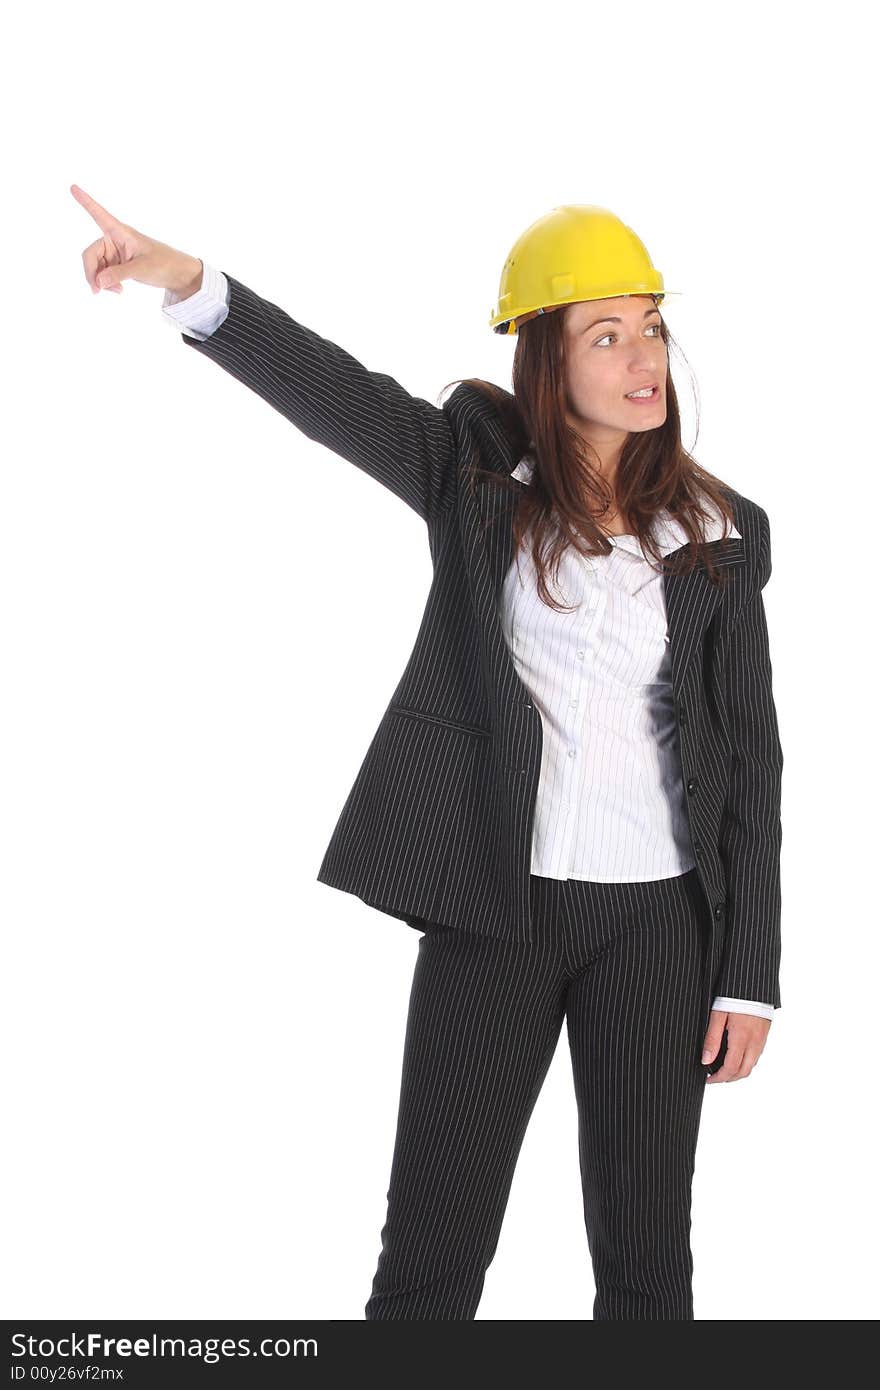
(648, 364)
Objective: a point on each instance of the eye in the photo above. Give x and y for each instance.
(658, 327)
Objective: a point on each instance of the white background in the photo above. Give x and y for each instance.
(203, 615)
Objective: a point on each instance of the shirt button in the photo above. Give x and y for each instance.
(573, 703)
(571, 752)
(581, 652)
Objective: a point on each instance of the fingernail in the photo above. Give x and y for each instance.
(707, 1055)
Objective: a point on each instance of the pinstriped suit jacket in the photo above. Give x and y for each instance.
(437, 825)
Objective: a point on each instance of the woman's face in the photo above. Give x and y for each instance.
(605, 361)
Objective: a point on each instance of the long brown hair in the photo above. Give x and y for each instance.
(655, 470)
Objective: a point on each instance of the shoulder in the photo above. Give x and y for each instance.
(484, 412)
(753, 524)
(486, 428)
(747, 512)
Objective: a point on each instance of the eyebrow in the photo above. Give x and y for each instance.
(655, 310)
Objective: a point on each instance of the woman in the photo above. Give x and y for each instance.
(574, 798)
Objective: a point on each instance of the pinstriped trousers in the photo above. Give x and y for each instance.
(624, 965)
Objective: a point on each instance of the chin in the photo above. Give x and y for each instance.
(651, 421)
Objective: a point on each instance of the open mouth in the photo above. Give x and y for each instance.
(647, 396)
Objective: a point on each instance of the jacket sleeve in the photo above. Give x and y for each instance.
(402, 441)
(751, 827)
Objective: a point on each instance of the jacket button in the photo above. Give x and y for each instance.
(691, 784)
(682, 714)
(719, 908)
(528, 704)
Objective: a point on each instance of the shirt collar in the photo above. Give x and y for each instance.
(668, 531)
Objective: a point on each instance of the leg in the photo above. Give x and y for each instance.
(483, 1024)
(635, 1020)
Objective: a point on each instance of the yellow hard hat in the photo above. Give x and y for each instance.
(573, 253)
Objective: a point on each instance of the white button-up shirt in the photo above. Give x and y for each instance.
(611, 800)
(610, 803)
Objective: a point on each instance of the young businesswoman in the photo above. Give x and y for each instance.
(574, 794)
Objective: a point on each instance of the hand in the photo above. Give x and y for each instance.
(746, 1036)
(125, 254)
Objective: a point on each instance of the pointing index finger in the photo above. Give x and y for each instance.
(105, 220)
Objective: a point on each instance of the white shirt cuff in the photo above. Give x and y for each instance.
(200, 314)
(744, 1006)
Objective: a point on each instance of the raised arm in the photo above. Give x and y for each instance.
(367, 417)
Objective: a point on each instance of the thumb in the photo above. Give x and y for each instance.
(714, 1034)
(113, 275)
